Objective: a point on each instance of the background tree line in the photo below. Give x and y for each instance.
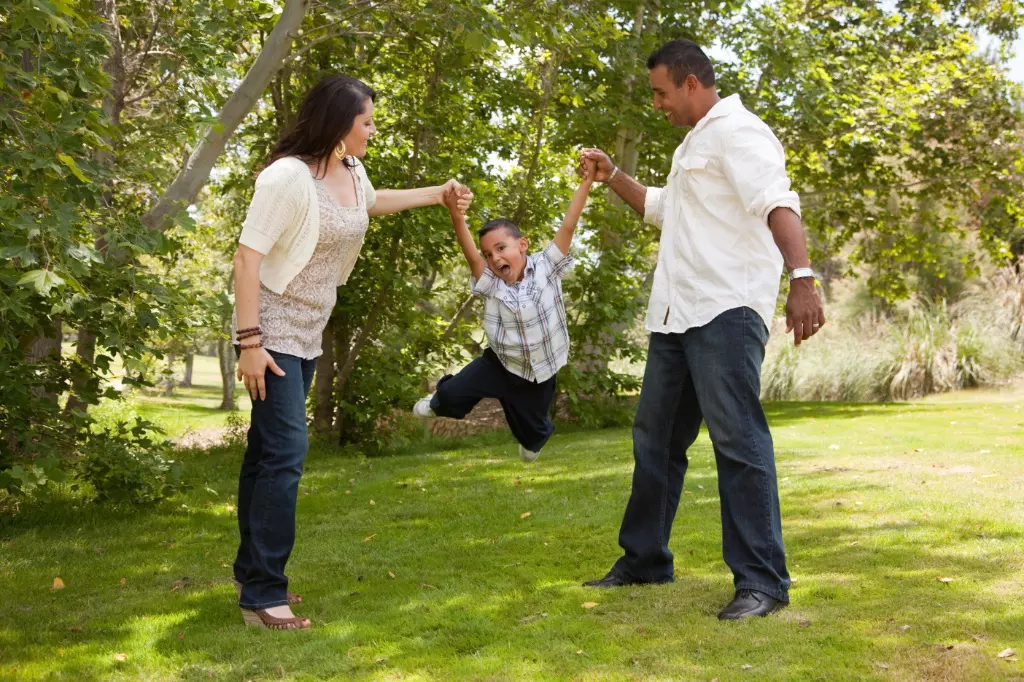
(130, 134)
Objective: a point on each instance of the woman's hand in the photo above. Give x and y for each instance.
(252, 365)
(464, 196)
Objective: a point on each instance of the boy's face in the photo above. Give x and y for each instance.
(505, 254)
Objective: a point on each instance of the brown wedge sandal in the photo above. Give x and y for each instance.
(260, 618)
(293, 597)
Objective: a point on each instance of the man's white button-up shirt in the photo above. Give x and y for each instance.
(716, 251)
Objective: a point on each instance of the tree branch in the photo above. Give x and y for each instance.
(196, 172)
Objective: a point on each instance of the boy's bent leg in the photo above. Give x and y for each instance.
(456, 395)
(725, 358)
(666, 424)
(527, 407)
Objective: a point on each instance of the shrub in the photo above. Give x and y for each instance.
(127, 466)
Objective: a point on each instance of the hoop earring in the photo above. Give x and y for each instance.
(340, 150)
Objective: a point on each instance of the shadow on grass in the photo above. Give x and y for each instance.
(459, 562)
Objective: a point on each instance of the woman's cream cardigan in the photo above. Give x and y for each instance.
(283, 222)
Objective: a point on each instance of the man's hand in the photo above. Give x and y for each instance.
(588, 169)
(463, 195)
(804, 315)
(603, 165)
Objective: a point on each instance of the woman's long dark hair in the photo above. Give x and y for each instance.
(327, 114)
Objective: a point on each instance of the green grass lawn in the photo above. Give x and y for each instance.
(191, 408)
(461, 563)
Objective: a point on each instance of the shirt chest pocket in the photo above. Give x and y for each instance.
(693, 176)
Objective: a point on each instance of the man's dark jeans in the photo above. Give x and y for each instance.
(710, 373)
(268, 486)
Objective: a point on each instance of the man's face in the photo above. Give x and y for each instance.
(675, 100)
(505, 254)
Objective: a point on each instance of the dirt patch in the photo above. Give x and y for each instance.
(201, 439)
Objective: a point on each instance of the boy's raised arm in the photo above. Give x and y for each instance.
(563, 238)
(477, 264)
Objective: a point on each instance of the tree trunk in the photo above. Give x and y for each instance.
(190, 361)
(196, 172)
(43, 348)
(226, 356)
(548, 80)
(323, 412)
(593, 357)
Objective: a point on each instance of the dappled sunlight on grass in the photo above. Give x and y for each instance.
(468, 564)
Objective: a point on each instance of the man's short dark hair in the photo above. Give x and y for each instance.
(497, 224)
(683, 58)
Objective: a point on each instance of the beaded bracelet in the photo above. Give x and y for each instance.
(246, 335)
(250, 329)
(244, 346)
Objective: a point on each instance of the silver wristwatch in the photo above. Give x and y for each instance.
(798, 273)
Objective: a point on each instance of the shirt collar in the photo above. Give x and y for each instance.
(723, 107)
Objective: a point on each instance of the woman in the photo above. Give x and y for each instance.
(299, 242)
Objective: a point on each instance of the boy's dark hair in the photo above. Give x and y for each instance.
(682, 58)
(497, 224)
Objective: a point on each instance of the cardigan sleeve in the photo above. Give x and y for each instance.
(368, 191)
(274, 206)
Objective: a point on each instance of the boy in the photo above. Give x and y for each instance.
(524, 320)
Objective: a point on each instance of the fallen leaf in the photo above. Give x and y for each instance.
(224, 565)
(391, 575)
(1006, 653)
(124, 581)
(348, 492)
(428, 585)
(804, 623)
(747, 666)
(367, 539)
(579, 652)
(589, 604)
(833, 447)
(904, 628)
(917, 449)
(525, 514)
(181, 584)
(58, 584)
(946, 647)
(883, 666)
(855, 543)
(372, 502)
(945, 580)
(121, 657)
(181, 636)
(76, 629)
(380, 659)
(984, 452)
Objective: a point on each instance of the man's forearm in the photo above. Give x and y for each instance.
(788, 233)
(631, 191)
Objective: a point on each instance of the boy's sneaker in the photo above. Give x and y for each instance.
(422, 407)
(528, 455)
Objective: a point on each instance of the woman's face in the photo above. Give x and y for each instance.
(362, 130)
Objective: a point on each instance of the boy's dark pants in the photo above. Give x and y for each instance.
(526, 403)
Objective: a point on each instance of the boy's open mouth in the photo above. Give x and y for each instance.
(505, 269)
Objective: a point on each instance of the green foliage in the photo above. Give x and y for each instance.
(918, 348)
(126, 466)
(902, 138)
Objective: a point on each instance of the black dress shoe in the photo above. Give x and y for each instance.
(749, 603)
(615, 580)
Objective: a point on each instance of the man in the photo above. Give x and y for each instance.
(728, 221)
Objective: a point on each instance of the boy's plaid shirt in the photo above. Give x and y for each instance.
(525, 323)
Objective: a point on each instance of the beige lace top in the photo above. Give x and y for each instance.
(293, 322)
